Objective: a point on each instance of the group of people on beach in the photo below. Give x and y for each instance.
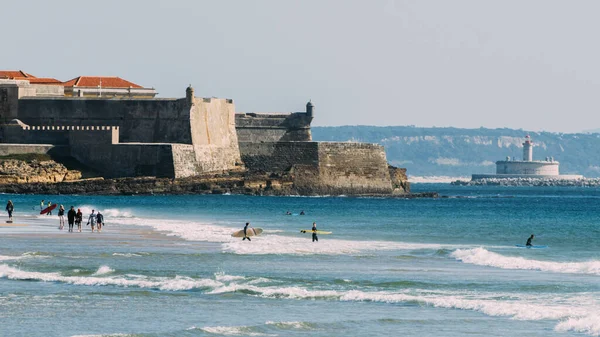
(96, 220)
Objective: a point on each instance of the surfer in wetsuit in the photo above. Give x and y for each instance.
(528, 244)
(314, 232)
(245, 230)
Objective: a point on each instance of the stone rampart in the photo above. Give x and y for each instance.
(352, 168)
(140, 120)
(261, 127)
(323, 168)
(127, 159)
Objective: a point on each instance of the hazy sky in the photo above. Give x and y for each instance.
(531, 64)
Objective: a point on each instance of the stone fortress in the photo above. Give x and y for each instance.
(527, 168)
(127, 132)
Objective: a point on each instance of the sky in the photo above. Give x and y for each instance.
(531, 64)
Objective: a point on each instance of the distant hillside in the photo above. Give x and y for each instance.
(461, 152)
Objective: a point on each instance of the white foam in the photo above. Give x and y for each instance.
(10, 258)
(589, 325)
(232, 331)
(127, 254)
(103, 270)
(482, 257)
(435, 179)
(162, 283)
(269, 243)
(290, 325)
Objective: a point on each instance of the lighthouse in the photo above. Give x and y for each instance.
(528, 149)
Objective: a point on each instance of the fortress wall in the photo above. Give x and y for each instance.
(54, 150)
(256, 127)
(277, 157)
(184, 161)
(353, 168)
(213, 134)
(140, 120)
(127, 160)
(59, 135)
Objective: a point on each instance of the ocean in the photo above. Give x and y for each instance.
(168, 266)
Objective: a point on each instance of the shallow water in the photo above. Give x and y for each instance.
(167, 266)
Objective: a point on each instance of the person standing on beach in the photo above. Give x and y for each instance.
(42, 205)
(79, 219)
(10, 208)
(246, 231)
(92, 220)
(314, 232)
(71, 218)
(100, 220)
(49, 212)
(61, 217)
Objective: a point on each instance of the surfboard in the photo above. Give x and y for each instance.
(48, 209)
(532, 247)
(250, 232)
(310, 231)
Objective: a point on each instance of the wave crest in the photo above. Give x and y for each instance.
(482, 257)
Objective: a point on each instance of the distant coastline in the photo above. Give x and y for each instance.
(534, 182)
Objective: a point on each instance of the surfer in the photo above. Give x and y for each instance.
(288, 213)
(314, 232)
(71, 218)
(92, 220)
(302, 212)
(61, 217)
(10, 208)
(528, 244)
(42, 205)
(245, 230)
(79, 219)
(50, 211)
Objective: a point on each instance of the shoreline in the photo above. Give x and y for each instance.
(222, 184)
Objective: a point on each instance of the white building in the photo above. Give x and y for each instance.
(526, 168)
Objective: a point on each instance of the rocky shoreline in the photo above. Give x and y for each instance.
(533, 182)
(49, 177)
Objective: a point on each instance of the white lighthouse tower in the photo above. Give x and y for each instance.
(528, 149)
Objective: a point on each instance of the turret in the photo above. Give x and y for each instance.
(189, 94)
(528, 149)
(309, 108)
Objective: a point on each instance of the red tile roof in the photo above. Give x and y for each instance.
(12, 74)
(43, 80)
(96, 81)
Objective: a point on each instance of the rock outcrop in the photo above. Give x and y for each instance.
(14, 171)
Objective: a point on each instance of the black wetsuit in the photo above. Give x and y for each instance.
(246, 237)
(314, 234)
(71, 218)
(9, 209)
(528, 242)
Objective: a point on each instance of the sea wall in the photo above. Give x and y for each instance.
(279, 157)
(352, 168)
(273, 127)
(323, 168)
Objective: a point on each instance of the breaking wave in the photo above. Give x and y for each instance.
(482, 257)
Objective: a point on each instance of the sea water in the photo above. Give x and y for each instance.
(168, 266)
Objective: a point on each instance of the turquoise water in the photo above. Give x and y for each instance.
(167, 266)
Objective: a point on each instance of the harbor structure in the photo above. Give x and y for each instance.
(527, 167)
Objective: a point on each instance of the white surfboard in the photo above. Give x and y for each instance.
(250, 232)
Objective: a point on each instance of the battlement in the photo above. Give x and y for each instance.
(16, 132)
(71, 128)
